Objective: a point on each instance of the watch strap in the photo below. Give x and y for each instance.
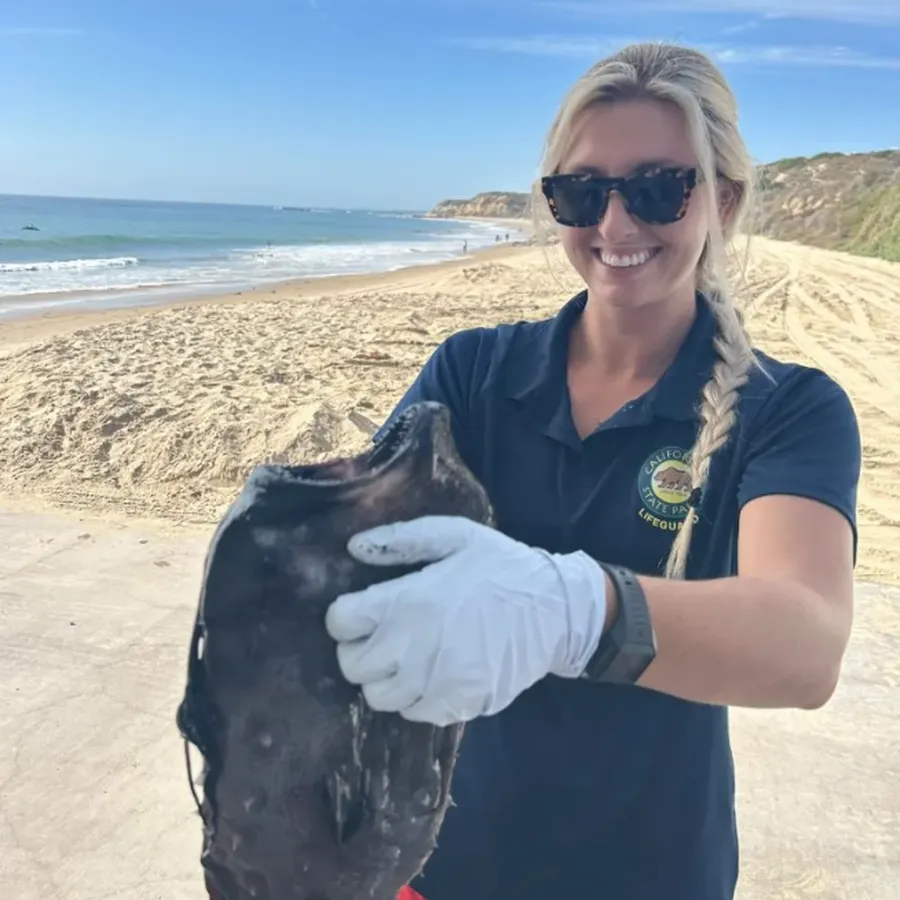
(629, 645)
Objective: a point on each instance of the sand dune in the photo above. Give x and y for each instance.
(160, 415)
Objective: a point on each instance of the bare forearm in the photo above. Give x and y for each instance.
(743, 642)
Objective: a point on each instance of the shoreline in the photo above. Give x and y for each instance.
(19, 307)
(33, 325)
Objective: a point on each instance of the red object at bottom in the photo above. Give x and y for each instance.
(408, 893)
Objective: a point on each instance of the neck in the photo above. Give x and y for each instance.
(625, 344)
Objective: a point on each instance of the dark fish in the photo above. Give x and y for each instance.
(308, 794)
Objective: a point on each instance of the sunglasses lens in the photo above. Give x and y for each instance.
(658, 198)
(578, 202)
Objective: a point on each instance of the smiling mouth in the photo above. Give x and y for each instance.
(624, 260)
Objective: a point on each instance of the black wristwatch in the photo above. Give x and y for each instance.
(629, 646)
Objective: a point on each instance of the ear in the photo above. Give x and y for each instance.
(730, 194)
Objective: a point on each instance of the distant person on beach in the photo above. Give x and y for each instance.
(676, 525)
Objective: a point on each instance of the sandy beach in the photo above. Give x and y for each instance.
(146, 421)
(159, 413)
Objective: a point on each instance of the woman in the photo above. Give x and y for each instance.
(635, 428)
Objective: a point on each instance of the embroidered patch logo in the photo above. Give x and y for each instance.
(664, 485)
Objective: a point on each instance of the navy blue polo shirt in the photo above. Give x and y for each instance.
(582, 790)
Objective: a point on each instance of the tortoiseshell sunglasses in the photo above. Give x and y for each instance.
(657, 197)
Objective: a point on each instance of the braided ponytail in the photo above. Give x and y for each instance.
(717, 418)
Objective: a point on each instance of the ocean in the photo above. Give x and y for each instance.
(57, 251)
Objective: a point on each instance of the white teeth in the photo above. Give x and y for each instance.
(620, 262)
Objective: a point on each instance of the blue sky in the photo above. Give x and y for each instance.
(393, 104)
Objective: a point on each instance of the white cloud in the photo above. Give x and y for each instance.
(39, 32)
(805, 56)
(741, 27)
(537, 46)
(866, 12)
(589, 47)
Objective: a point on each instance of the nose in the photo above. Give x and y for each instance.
(617, 223)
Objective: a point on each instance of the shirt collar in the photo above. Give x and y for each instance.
(536, 374)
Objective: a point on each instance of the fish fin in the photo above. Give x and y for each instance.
(345, 798)
(196, 717)
(197, 720)
(446, 743)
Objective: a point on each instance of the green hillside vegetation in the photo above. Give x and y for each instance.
(839, 201)
(876, 227)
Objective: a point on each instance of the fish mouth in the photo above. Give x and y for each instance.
(422, 425)
(399, 436)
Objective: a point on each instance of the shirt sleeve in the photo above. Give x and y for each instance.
(448, 377)
(807, 443)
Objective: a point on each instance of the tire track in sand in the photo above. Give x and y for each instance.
(842, 318)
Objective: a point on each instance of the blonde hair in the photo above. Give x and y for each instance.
(689, 79)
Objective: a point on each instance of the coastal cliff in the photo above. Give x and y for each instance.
(488, 205)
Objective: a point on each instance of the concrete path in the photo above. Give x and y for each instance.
(94, 799)
(94, 802)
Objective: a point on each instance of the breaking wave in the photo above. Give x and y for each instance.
(62, 265)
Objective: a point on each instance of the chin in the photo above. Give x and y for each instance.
(625, 298)
(639, 287)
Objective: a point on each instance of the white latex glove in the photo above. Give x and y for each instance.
(467, 634)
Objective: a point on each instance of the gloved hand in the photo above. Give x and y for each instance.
(467, 634)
